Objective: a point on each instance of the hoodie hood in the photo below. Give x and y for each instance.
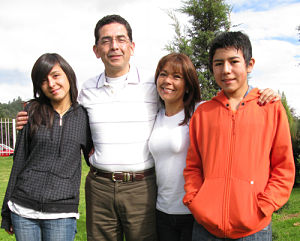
(223, 100)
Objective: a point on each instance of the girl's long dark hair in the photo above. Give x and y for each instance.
(182, 63)
(40, 109)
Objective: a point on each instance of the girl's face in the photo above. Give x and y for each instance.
(56, 86)
(171, 85)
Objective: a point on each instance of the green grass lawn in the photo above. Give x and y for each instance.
(286, 222)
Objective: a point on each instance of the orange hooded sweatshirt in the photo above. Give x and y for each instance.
(239, 166)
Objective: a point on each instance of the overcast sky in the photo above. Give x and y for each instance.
(33, 27)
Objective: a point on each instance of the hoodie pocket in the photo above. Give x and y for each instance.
(207, 204)
(30, 184)
(244, 212)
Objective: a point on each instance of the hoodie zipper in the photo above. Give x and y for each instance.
(60, 120)
(46, 180)
(228, 174)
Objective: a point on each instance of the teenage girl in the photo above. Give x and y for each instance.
(42, 196)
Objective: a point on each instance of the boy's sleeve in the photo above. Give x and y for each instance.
(193, 172)
(282, 167)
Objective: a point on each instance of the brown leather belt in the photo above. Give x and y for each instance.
(123, 176)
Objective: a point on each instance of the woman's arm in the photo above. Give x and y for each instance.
(268, 95)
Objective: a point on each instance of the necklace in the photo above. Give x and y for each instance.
(63, 112)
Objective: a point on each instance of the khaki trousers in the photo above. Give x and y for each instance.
(118, 209)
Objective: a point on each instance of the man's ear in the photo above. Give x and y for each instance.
(132, 46)
(96, 51)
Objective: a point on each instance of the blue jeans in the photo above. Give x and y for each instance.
(200, 233)
(174, 227)
(26, 229)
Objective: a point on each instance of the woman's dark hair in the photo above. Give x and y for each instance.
(40, 109)
(182, 63)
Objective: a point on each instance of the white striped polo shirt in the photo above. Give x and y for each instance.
(121, 121)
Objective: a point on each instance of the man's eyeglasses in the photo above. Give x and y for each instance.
(121, 40)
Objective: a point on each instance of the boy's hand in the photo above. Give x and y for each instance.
(21, 120)
(268, 95)
(10, 231)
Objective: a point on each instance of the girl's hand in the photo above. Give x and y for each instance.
(10, 231)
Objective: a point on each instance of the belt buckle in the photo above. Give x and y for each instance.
(126, 176)
(113, 176)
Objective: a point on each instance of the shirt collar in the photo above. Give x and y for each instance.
(132, 78)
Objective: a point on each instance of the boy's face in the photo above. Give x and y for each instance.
(230, 71)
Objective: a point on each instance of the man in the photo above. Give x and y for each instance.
(122, 106)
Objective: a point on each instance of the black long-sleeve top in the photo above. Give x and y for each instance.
(46, 171)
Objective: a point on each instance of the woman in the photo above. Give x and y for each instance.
(42, 197)
(177, 84)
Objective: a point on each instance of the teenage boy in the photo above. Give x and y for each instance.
(240, 166)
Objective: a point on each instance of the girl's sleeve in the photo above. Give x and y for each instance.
(19, 160)
(87, 140)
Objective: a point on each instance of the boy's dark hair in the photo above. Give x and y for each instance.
(112, 19)
(40, 110)
(238, 40)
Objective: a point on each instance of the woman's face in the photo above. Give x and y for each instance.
(171, 85)
(56, 86)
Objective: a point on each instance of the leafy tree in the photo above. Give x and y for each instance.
(3, 112)
(206, 19)
(289, 113)
(11, 109)
(294, 123)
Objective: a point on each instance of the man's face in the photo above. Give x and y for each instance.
(230, 71)
(114, 48)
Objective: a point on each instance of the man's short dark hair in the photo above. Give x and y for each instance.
(112, 19)
(238, 40)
